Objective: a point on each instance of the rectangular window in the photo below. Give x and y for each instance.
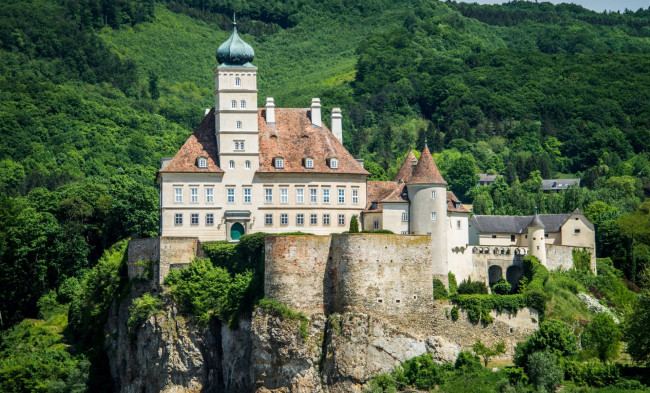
(300, 219)
(209, 195)
(194, 219)
(284, 195)
(247, 195)
(341, 195)
(300, 195)
(268, 195)
(341, 219)
(458, 224)
(313, 219)
(355, 196)
(284, 219)
(178, 195)
(405, 216)
(512, 238)
(231, 195)
(405, 232)
(494, 236)
(434, 216)
(375, 224)
(268, 219)
(194, 195)
(433, 194)
(326, 219)
(178, 218)
(209, 219)
(313, 195)
(326, 195)
(577, 230)
(239, 145)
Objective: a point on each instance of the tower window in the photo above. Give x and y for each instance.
(577, 230)
(233, 104)
(405, 216)
(239, 145)
(433, 194)
(237, 81)
(434, 216)
(248, 164)
(242, 104)
(231, 164)
(238, 124)
(458, 224)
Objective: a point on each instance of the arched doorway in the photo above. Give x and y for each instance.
(514, 274)
(236, 231)
(494, 274)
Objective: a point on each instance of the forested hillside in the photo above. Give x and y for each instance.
(94, 93)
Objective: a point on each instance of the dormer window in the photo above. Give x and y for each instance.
(334, 163)
(202, 162)
(309, 163)
(237, 81)
(242, 104)
(238, 124)
(279, 163)
(373, 206)
(233, 104)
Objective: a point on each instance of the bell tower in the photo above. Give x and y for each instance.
(235, 105)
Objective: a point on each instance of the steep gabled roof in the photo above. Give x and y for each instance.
(202, 143)
(426, 171)
(377, 191)
(453, 204)
(406, 170)
(294, 138)
(517, 224)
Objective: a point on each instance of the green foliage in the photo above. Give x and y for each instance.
(142, 308)
(379, 231)
(453, 285)
(467, 287)
(454, 313)
(637, 329)
(553, 336)
(534, 272)
(591, 373)
(276, 308)
(354, 225)
(544, 370)
(439, 290)
(486, 352)
(205, 291)
(466, 362)
(478, 307)
(603, 336)
(502, 287)
(581, 259)
(420, 372)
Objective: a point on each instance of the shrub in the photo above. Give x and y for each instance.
(581, 260)
(439, 290)
(472, 288)
(381, 383)
(544, 371)
(536, 298)
(453, 285)
(603, 336)
(552, 336)
(516, 375)
(535, 274)
(629, 384)
(591, 373)
(454, 313)
(501, 287)
(466, 362)
(478, 307)
(142, 308)
(278, 309)
(379, 231)
(420, 372)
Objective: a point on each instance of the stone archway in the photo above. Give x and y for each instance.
(514, 273)
(494, 274)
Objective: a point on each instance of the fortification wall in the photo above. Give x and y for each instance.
(381, 274)
(562, 257)
(166, 252)
(142, 250)
(295, 272)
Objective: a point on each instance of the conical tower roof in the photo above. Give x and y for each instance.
(235, 51)
(406, 170)
(536, 222)
(426, 171)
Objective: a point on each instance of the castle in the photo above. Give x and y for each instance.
(275, 170)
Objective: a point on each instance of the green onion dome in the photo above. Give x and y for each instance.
(235, 51)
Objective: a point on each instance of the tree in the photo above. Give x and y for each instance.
(486, 352)
(544, 371)
(354, 225)
(461, 175)
(552, 336)
(636, 329)
(502, 287)
(603, 336)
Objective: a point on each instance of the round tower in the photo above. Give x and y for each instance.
(536, 242)
(427, 191)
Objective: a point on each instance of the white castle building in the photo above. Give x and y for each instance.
(247, 169)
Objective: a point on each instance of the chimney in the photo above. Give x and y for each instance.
(270, 110)
(337, 125)
(315, 113)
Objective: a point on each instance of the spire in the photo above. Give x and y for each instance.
(536, 222)
(406, 170)
(426, 171)
(235, 51)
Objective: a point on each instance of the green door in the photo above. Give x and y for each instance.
(236, 231)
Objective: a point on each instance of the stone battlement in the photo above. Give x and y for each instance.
(165, 252)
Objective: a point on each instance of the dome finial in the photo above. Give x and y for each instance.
(235, 51)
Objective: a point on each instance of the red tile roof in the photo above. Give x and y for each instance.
(377, 191)
(294, 138)
(452, 202)
(426, 171)
(406, 170)
(202, 143)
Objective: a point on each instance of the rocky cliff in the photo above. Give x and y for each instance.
(169, 353)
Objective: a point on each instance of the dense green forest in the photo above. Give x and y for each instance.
(94, 93)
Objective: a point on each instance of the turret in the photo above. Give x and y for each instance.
(536, 242)
(427, 191)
